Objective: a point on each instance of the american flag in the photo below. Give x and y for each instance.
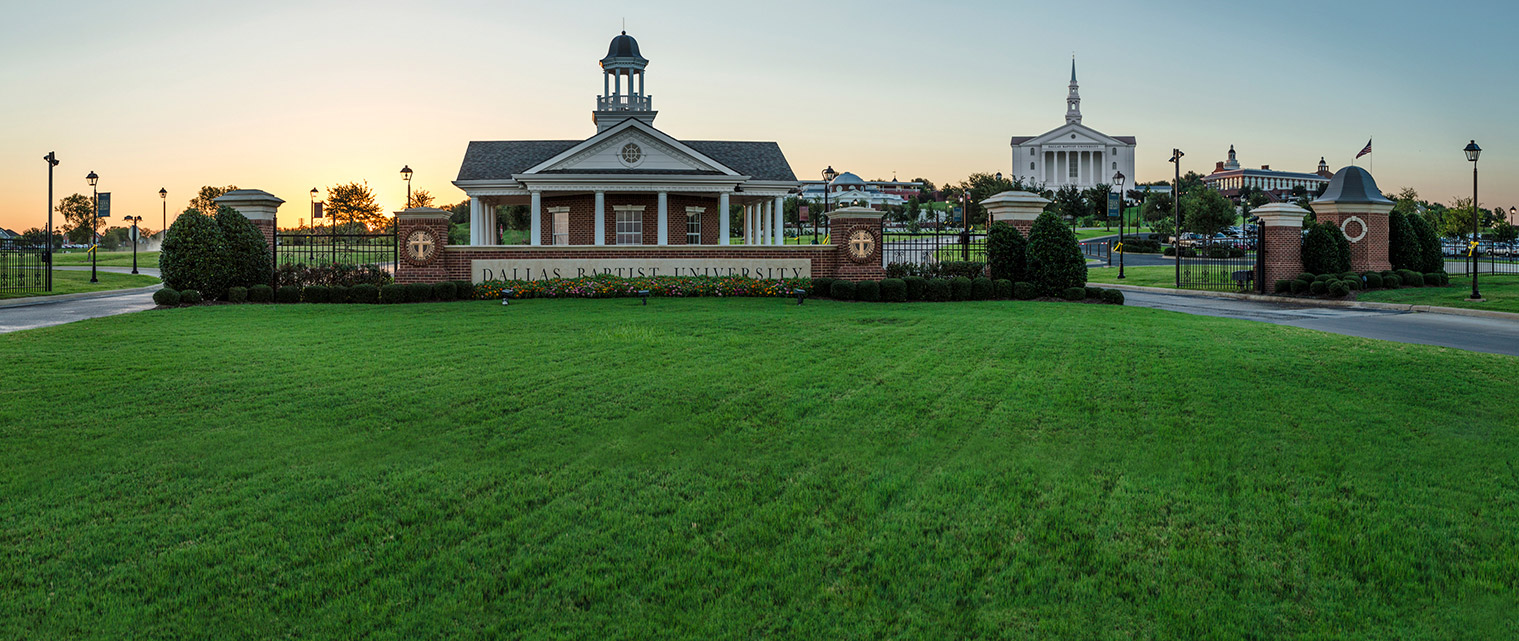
(1365, 151)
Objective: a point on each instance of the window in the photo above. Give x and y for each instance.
(1031, 152)
(1031, 166)
(1115, 166)
(1072, 164)
(693, 225)
(559, 219)
(629, 225)
(630, 154)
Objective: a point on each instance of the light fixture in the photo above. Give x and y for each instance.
(1473, 151)
(92, 179)
(163, 193)
(801, 294)
(406, 173)
(644, 294)
(999, 176)
(506, 296)
(829, 174)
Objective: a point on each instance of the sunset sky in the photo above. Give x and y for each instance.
(286, 96)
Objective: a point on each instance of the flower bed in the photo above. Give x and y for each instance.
(608, 286)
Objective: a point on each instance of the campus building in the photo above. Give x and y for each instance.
(1073, 154)
(1228, 179)
(630, 183)
(847, 188)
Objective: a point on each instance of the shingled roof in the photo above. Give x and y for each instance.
(499, 160)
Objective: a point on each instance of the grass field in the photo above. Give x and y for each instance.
(1501, 292)
(1147, 276)
(74, 282)
(106, 259)
(749, 468)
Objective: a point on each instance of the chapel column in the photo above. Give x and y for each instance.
(601, 219)
(722, 218)
(535, 217)
(664, 216)
(778, 209)
(476, 221)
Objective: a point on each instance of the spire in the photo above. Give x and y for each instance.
(1073, 100)
(1073, 70)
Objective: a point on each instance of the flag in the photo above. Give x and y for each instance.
(1365, 151)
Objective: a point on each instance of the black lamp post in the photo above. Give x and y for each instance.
(1176, 155)
(163, 195)
(94, 222)
(828, 175)
(965, 224)
(52, 161)
(1472, 153)
(134, 220)
(1513, 215)
(1118, 179)
(406, 175)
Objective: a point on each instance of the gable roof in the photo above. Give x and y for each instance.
(1069, 128)
(758, 160)
(499, 160)
(495, 159)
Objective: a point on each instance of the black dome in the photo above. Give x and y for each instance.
(623, 46)
(1353, 185)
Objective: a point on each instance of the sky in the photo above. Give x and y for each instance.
(286, 96)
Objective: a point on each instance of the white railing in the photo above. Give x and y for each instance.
(624, 103)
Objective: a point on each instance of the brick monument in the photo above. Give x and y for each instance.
(1282, 241)
(1020, 208)
(1355, 205)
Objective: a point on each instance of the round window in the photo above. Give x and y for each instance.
(631, 154)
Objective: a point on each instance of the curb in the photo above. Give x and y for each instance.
(64, 298)
(1310, 302)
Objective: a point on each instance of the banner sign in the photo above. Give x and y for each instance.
(551, 268)
(1114, 207)
(316, 211)
(105, 204)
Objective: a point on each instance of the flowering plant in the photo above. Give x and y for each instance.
(609, 286)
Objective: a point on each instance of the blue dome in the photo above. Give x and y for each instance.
(1353, 185)
(624, 46)
(847, 178)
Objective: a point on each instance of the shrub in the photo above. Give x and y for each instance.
(1004, 289)
(1094, 292)
(367, 294)
(956, 268)
(1350, 276)
(339, 294)
(315, 294)
(1141, 246)
(1282, 286)
(189, 297)
(936, 290)
(915, 286)
(893, 290)
(1300, 286)
(260, 294)
(1005, 252)
(1373, 280)
(247, 251)
(194, 255)
(1338, 289)
(287, 295)
(1411, 278)
(1305, 276)
(982, 289)
(1074, 293)
(1431, 259)
(237, 294)
(466, 290)
(1323, 278)
(959, 288)
(868, 291)
(393, 293)
(1353, 284)
(820, 287)
(1322, 249)
(418, 292)
(1112, 296)
(1024, 290)
(166, 296)
(1217, 251)
(1391, 281)
(331, 275)
(1168, 251)
(1437, 279)
(1318, 287)
(1402, 243)
(1054, 261)
(841, 290)
(443, 291)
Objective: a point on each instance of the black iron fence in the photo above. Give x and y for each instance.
(1222, 264)
(1487, 257)
(24, 267)
(926, 248)
(335, 249)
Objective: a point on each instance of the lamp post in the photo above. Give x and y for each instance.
(94, 222)
(52, 161)
(965, 223)
(134, 220)
(1176, 155)
(1118, 179)
(1513, 215)
(828, 175)
(1472, 153)
(406, 175)
(163, 194)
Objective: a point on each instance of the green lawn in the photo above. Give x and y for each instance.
(1147, 276)
(74, 282)
(749, 469)
(111, 259)
(1501, 292)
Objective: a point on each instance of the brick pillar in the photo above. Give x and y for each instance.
(422, 236)
(854, 223)
(1282, 241)
(1020, 208)
(258, 206)
(1365, 226)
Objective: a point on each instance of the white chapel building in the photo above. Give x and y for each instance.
(1073, 154)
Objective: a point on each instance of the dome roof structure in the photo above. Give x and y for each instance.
(847, 178)
(624, 49)
(1353, 185)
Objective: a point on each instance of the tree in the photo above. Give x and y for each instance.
(1070, 203)
(1403, 249)
(1006, 252)
(205, 201)
(458, 213)
(1053, 260)
(420, 198)
(1206, 211)
(1431, 258)
(354, 202)
(38, 236)
(1504, 232)
(195, 255)
(1157, 207)
(1456, 222)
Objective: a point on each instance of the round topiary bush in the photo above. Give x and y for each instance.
(1350, 276)
(1373, 280)
(443, 291)
(1338, 289)
(260, 294)
(893, 290)
(189, 297)
(959, 288)
(818, 289)
(248, 261)
(1300, 286)
(1282, 286)
(1004, 289)
(194, 256)
(1436, 279)
(1321, 249)
(1323, 278)
(287, 294)
(1006, 251)
(936, 290)
(1074, 293)
(1305, 276)
(982, 289)
(1318, 287)
(1391, 281)
(393, 293)
(237, 294)
(366, 294)
(1094, 292)
(315, 294)
(868, 291)
(1353, 284)
(339, 294)
(1053, 258)
(1024, 290)
(1414, 279)
(841, 290)
(166, 296)
(418, 292)
(916, 286)
(465, 290)
(1112, 296)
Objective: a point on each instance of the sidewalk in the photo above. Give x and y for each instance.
(1315, 302)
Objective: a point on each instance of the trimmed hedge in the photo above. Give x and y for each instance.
(1024, 290)
(1373, 280)
(316, 294)
(1006, 251)
(841, 290)
(1338, 289)
(1094, 292)
(1318, 287)
(260, 294)
(916, 286)
(393, 293)
(868, 291)
(1074, 293)
(247, 251)
(820, 287)
(1004, 289)
(366, 294)
(1391, 281)
(936, 290)
(1323, 252)
(166, 296)
(339, 294)
(237, 294)
(194, 255)
(444, 291)
(466, 289)
(1431, 259)
(287, 295)
(1437, 279)
(1299, 286)
(1053, 258)
(893, 290)
(959, 288)
(1112, 296)
(1282, 286)
(418, 292)
(1353, 284)
(982, 289)
(189, 297)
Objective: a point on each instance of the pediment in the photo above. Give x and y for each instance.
(1074, 134)
(631, 146)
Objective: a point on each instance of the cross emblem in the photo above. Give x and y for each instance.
(861, 243)
(421, 244)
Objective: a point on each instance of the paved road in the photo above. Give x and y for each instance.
(46, 314)
(1460, 332)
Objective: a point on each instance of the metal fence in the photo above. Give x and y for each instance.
(1488, 257)
(926, 248)
(335, 249)
(1223, 265)
(24, 267)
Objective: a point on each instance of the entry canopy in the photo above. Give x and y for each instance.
(1353, 186)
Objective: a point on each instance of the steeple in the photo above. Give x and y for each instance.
(1073, 100)
(618, 103)
(1233, 162)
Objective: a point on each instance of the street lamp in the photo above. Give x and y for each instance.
(1118, 179)
(1472, 153)
(134, 220)
(94, 222)
(52, 161)
(163, 194)
(828, 175)
(965, 224)
(406, 175)
(1176, 155)
(1513, 214)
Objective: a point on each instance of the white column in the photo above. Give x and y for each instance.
(780, 220)
(536, 216)
(488, 235)
(606, 84)
(722, 218)
(763, 209)
(664, 219)
(601, 219)
(617, 84)
(476, 221)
